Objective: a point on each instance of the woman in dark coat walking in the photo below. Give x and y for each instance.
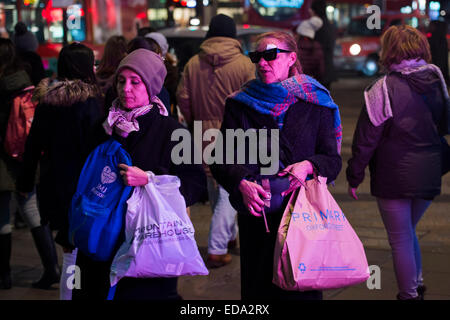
(296, 106)
(139, 121)
(59, 138)
(398, 136)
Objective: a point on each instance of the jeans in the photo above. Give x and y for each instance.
(27, 207)
(223, 226)
(400, 218)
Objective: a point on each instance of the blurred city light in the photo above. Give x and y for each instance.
(194, 22)
(355, 49)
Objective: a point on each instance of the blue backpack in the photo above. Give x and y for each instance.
(99, 205)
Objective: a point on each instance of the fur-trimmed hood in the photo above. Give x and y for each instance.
(64, 93)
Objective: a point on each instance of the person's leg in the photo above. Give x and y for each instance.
(223, 224)
(419, 206)
(5, 240)
(43, 240)
(69, 260)
(396, 215)
(28, 209)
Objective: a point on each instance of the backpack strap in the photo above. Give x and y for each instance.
(113, 147)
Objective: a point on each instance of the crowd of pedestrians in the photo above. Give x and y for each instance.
(134, 96)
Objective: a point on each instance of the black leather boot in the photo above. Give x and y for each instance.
(43, 239)
(5, 257)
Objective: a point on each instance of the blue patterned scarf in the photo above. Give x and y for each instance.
(275, 98)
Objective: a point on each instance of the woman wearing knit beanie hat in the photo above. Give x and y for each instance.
(138, 120)
(23, 39)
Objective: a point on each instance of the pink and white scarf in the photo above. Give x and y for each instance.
(123, 121)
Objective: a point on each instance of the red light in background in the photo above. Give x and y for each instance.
(183, 3)
(141, 15)
(428, 35)
(246, 26)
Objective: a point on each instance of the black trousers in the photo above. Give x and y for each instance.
(257, 254)
(95, 284)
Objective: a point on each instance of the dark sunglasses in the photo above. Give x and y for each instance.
(268, 55)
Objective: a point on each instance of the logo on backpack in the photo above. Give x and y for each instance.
(107, 177)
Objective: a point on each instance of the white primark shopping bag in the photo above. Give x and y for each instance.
(159, 236)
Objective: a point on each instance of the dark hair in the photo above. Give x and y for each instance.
(8, 56)
(20, 28)
(403, 43)
(319, 7)
(76, 61)
(144, 43)
(115, 51)
(144, 30)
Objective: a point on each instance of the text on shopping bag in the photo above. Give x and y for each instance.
(165, 231)
(330, 219)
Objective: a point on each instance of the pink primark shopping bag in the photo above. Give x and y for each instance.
(316, 246)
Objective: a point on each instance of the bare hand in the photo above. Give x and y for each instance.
(298, 173)
(352, 192)
(252, 195)
(133, 176)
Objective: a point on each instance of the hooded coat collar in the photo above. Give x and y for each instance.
(218, 51)
(64, 93)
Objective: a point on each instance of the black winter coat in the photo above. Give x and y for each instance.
(150, 149)
(307, 134)
(59, 141)
(403, 153)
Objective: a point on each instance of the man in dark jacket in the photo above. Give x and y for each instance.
(326, 36)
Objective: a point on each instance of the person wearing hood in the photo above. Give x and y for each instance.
(139, 121)
(66, 112)
(310, 50)
(219, 69)
(399, 135)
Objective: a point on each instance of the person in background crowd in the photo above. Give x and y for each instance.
(67, 110)
(172, 78)
(310, 50)
(308, 122)
(115, 51)
(139, 121)
(326, 36)
(14, 80)
(219, 69)
(398, 136)
(439, 46)
(26, 47)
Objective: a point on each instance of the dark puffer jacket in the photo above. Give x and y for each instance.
(404, 153)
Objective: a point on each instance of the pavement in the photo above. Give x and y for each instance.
(224, 283)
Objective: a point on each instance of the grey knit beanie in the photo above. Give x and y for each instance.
(148, 65)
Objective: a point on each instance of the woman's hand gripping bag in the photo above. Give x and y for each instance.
(159, 236)
(316, 248)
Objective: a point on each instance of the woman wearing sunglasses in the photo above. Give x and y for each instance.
(301, 110)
